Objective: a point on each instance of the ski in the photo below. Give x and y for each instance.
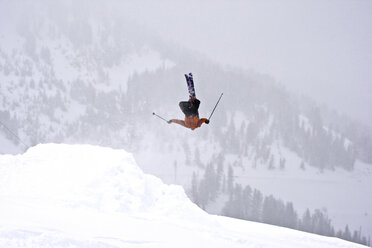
(190, 85)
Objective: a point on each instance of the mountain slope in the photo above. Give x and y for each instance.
(83, 73)
(86, 196)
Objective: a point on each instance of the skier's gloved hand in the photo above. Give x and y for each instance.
(207, 121)
(169, 122)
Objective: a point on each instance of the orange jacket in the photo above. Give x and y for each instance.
(191, 122)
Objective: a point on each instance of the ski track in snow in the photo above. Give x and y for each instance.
(87, 196)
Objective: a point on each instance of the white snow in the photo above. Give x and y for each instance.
(86, 196)
(306, 123)
(7, 146)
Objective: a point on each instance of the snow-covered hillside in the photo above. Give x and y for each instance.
(344, 195)
(87, 196)
(78, 73)
(56, 71)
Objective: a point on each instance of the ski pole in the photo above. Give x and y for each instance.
(215, 106)
(159, 117)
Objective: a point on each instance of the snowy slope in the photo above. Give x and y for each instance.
(87, 196)
(57, 71)
(73, 78)
(345, 194)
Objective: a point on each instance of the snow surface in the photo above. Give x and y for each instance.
(86, 196)
(6, 145)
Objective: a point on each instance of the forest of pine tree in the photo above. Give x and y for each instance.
(250, 204)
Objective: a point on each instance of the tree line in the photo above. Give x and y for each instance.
(251, 204)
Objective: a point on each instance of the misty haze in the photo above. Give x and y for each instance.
(97, 151)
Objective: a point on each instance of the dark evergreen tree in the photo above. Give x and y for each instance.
(356, 237)
(220, 171)
(232, 207)
(271, 163)
(269, 210)
(230, 179)
(257, 201)
(321, 223)
(290, 216)
(247, 202)
(346, 234)
(211, 182)
(306, 222)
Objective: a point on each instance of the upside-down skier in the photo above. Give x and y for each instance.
(190, 108)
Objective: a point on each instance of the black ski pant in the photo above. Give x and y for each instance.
(190, 108)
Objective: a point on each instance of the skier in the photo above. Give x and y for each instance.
(190, 108)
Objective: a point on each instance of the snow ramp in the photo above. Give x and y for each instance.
(58, 195)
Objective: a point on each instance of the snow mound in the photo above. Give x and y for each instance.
(67, 196)
(89, 177)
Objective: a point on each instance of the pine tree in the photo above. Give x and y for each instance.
(321, 223)
(369, 241)
(355, 237)
(220, 174)
(306, 223)
(238, 202)
(211, 182)
(233, 205)
(269, 210)
(282, 163)
(194, 189)
(280, 210)
(290, 216)
(364, 241)
(256, 205)
(197, 159)
(346, 234)
(247, 202)
(223, 187)
(271, 163)
(230, 179)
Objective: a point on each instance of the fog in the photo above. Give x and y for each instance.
(95, 71)
(319, 48)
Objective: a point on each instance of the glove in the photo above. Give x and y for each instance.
(169, 122)
(207, 121)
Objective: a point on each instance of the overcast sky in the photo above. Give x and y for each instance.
(320, 48)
